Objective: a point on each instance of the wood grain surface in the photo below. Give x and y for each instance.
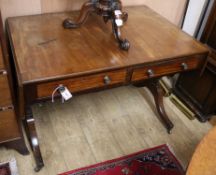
(167, 68)
(83, 83)
(45, 50)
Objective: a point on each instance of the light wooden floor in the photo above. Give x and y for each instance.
(105, 125)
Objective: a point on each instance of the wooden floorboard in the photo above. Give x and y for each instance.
(99, 126)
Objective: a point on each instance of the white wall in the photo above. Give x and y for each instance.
(193, 15)
(170, 9)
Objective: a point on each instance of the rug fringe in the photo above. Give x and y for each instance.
(173, 152)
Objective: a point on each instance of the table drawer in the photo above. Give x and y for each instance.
(84, 83)
(5, 96)
(166, 68)
(8, 125)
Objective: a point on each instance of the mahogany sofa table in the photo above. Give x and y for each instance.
(45, 55)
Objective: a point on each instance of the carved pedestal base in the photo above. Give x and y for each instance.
(109, 10)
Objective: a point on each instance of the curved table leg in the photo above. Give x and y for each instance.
(33, 139)
(157, 91)
(85, 11)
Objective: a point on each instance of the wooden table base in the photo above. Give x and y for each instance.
(152, 85)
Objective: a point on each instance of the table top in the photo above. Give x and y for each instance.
(203, 161)
(44, 50)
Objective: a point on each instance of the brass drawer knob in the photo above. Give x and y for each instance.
(150, 72)
(184, 66)
(107, 80)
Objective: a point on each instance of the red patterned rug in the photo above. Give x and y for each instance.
(155, 161)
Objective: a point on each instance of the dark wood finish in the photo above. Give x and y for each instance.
(198, 91)
(167, 68)
(83, 83)
(11, 135)
(109, 10)
(32, 135)
(85, 61)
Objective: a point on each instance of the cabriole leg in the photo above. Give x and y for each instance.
(29, 123)
(157, 91)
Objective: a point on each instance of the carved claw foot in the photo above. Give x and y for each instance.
(124, 45)
(69, 24)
